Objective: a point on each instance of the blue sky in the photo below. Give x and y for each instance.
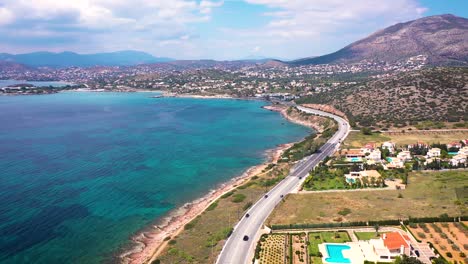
(214, 29)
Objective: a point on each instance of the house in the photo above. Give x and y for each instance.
(375, 155)
(458, 160)
(391, 245)
(404, 156)
(395, 163)
(419, 144)
(463, 151)
(352, 176)
(354, 155)
(384, 249)
(389, 145)
(456, 145)
(369, 147)
(433, 152)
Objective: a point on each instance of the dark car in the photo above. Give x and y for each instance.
(300, 178)
(247, 215)
(266, 195)
(282, 196)
(246, 238)
(416, 252)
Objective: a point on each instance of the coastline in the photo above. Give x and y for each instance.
(149, 244)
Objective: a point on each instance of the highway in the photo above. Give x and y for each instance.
(238, 251)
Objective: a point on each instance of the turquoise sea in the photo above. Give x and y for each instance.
(80, 173)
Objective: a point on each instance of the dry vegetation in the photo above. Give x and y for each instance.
(450, 239)
(357, 139)
(428, 194)
(435, 94)
(299, 248)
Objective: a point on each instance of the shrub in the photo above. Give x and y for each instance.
(172, 242)
(462, 255)
(212, 206)
(344, 211)
(421, 235)
(238, 198)
(247, 206)
(449, 254)
(156, 261)
(226, 195)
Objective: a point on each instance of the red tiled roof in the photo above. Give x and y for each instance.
(395, 240)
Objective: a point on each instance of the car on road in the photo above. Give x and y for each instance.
(247, 215)
(300, 178)
(266, 195)
(282, 196)
(417, 253)
(246, 238)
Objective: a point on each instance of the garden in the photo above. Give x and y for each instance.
(272, 249)
(449, 239)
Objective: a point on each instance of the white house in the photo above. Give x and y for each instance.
(375, 155)
(389, 145)
(433, 152)
(404, 156)
(458, 159)
(463, 151)
(394, 163)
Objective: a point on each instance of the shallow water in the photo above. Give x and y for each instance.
(81, 172)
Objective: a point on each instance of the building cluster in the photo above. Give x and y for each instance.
(245, 79)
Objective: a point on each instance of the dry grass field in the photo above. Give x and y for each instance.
(357, 139)
(428, 194)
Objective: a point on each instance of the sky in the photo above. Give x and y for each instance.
(205, 29)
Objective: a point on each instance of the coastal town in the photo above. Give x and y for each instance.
(271, 79)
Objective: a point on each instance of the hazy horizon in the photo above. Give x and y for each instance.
(220, 30)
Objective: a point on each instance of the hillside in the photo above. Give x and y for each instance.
(434, 94)
(69, 59)
(443, 39)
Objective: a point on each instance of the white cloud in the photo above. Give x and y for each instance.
(6, 16)
(101, 22)
(302, 18)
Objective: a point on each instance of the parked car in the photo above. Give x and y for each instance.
(246, 238)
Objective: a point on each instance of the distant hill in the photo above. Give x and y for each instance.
(13, 66)
(436, 94)
(69, 59)
(443, 39)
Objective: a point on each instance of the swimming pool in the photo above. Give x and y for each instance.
(355, 159)
(335, 254)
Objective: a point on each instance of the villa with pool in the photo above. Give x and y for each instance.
(383, 249)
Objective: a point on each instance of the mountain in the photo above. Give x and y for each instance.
(69, 59)
(443, 39)
(431, 96)
(6, 66)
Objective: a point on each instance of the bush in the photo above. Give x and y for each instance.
(344, 211)
(156, 261)
(449, 254)
(462, 255)
(172, 242)
(238, 198)
(247, 206)
(226, 195)
(212, 206)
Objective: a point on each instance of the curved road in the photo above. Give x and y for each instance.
(236, 250)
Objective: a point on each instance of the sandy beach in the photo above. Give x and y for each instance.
(149, 244)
